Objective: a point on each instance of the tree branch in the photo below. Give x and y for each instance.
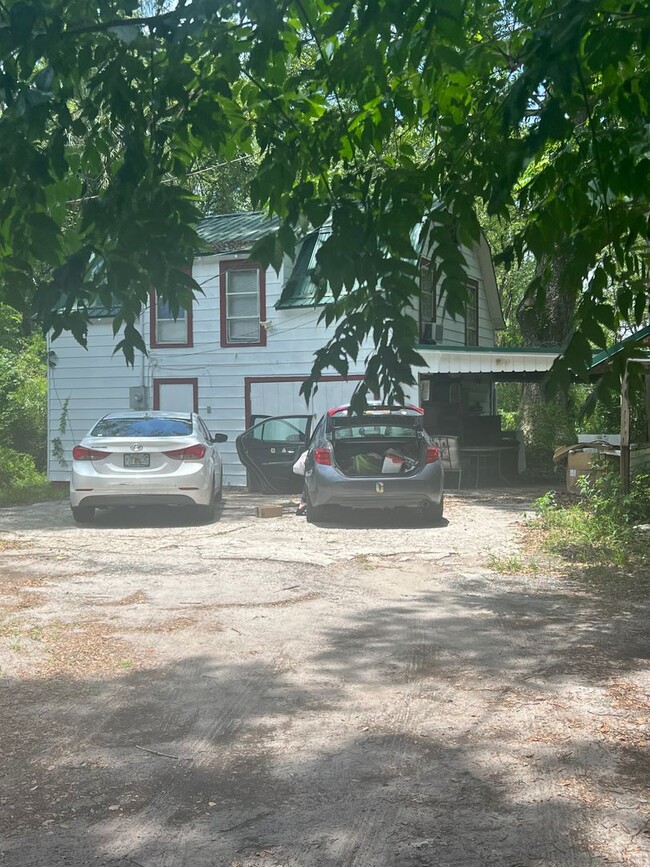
(147, 21)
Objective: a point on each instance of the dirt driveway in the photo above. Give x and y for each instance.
(269, 693)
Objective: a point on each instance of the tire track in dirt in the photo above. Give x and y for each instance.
(208, 745)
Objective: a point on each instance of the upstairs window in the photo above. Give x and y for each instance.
(243, 304)
(167, 331)
(471, 314)
(428, 301)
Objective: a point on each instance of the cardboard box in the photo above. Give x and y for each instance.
(269, 511)
(585, 461)
(581, 465)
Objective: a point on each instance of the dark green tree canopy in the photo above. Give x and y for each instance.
(374, 113)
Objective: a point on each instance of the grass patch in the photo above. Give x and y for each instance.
(599, 536)
(25, 495)
(513, 564)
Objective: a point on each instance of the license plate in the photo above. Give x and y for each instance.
(136, 460)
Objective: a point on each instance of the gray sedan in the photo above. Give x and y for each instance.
(382, 459)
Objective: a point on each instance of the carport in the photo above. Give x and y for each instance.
(458, 396)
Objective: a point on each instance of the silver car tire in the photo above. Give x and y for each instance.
(83, 514)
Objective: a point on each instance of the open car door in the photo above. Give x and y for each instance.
(270, 448)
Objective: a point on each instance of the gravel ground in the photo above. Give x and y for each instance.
(266, 692)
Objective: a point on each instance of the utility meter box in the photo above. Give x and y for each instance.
(139, 397)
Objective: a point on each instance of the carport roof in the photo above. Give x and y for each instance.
(640, 337)
(505, 362)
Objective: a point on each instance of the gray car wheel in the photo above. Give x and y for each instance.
(314, 513)
(432, 513)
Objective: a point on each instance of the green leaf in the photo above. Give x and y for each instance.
(22, 17)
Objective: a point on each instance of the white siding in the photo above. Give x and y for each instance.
(82, 386)
(96, 381)
(454, 329)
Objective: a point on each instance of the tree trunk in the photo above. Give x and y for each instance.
(546, 424)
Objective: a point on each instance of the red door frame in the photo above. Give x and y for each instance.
(250, 380)
(193, 381)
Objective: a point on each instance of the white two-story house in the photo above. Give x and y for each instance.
(241, 352)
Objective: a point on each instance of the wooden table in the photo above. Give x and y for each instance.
(486, 458)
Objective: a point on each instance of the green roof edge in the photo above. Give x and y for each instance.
(450, 347)
(604, 354)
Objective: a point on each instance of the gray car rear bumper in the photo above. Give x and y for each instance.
(327, 486)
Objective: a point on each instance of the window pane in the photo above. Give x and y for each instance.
(243, 281)
(163, 311)
(168, 331)
(427, 307)
(243, 305)
(243, 330)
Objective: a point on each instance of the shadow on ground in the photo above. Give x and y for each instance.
(397, 745)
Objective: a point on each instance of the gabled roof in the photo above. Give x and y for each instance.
(300, 290)
(224, 233)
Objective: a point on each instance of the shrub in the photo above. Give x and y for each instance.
(23, 398)
(18, 470)
(600, 528)
(21, 483)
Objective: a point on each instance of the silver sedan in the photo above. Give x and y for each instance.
(145, 459)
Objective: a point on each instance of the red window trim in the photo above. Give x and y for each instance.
(193, 381)
(153, 308)
(234, 265)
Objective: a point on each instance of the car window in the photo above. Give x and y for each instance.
(365, 428)
(318, 431)
(204, 430)
(142, 427)
(287, 429)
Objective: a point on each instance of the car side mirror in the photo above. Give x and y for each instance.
(220, 438)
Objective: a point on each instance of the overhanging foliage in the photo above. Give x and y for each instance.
(374, 112)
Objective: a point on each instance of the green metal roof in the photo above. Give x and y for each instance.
(224, 233)
(606, 354)
(300, 290)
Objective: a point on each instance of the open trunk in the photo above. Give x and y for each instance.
(378, 443)
(377, 457)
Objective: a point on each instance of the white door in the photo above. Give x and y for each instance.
(175, 395)
(282, 398)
